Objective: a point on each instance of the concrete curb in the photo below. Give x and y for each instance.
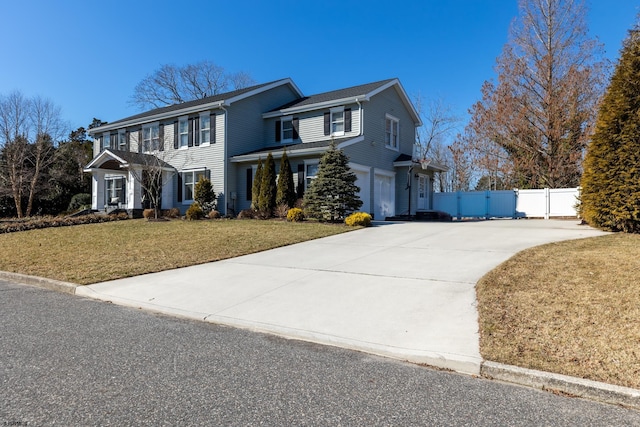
(41, 282)
(563, 384)
(587, 389)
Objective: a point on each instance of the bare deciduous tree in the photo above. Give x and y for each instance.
(541, 112)
(29, 132)
(172, 84)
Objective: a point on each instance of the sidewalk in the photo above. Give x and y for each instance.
(402, 290)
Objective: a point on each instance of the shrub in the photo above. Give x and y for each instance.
(79, 201)
(47, 222)
(295, 215)
(149, 213)
(247, 214)
(204, 195)
(195, 212)
(171, 213)
(282, 210)
(214, 214)
(358, 219)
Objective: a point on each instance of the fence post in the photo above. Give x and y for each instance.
(547, 204)
(458, 197)
(487, 197)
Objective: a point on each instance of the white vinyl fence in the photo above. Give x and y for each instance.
(544, 203)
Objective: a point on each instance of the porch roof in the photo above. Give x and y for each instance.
(407, 160)
(119, 160)
(293, 150)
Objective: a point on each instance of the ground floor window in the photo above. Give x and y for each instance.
(311, 172)
(115, 187)
(189, 181)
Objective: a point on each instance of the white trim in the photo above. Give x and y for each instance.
(384, 172)
(360, 168)
(278, 154)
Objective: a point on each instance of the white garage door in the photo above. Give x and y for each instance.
(384, 196)
(363, 182)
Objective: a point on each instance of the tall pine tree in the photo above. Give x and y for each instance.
(286, 194)
(333, 193)
(267, 197)
(610, 196)
(255, 187)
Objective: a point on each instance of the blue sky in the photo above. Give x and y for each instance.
(88, 55)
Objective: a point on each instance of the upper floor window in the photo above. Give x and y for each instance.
(151, 138)
(183, 132)
(337, 121)
(391, 132)
(122, 140)
(106, 140)
(205, 129)
(287, 129)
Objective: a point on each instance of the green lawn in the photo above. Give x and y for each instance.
(571, 307)
(93, 253)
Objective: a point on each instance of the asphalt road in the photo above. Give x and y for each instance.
(71, 361)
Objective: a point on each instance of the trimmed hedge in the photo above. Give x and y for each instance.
(48, 222)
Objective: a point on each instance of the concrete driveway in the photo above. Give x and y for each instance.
(402, 290)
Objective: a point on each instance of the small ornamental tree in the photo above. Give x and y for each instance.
(204, 195)
(255, 187)
(333, 193)
(286, 193)
(267, 197)
(610, 196)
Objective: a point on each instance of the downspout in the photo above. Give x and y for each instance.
(226, 160)
(361, 115)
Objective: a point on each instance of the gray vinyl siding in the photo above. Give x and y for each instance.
(209, 157)
(372, 151)
(246, 126)
(311, 126)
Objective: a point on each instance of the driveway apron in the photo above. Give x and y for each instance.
(401, 290)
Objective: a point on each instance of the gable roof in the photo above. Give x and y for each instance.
(343, 96)
(214, 101)
(118, 160)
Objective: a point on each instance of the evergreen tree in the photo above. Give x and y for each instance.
(333, 193)
(286, 194)
(204, 195)
(267, 198)
(610, 196)
(255, 187)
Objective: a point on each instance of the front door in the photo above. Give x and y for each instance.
(423, 192)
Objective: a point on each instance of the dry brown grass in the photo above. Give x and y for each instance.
(93, 253)
(571, 308)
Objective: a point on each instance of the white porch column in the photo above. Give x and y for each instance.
(134, 192)
(97, 190)
(167, 190)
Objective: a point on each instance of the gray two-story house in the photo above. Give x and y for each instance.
(223, 136)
